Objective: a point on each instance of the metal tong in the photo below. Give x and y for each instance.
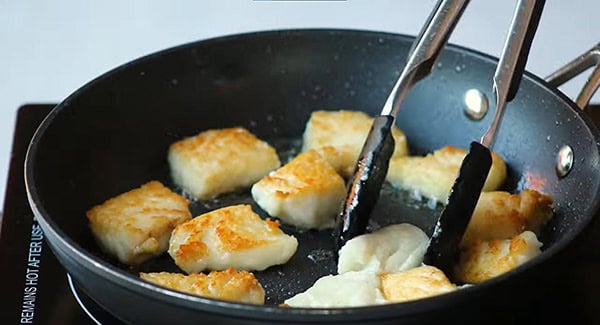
(453, 221)
(373, 161)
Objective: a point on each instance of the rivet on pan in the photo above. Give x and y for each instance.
(476, 104)
(564, 161)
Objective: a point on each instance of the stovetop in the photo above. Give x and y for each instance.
(36, 289)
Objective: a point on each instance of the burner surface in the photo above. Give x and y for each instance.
(94, 311)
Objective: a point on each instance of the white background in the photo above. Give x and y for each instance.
(50, 48)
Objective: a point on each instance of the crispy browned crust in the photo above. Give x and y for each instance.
(226, 142)
(485, 260)
(307, 173)
(339, 136)
(233, 236)
(434, 174)
(306, 192)
(416, 283)
(136, 225)
(501, 215)
(230, 285)
(219, 161)
(230, 225)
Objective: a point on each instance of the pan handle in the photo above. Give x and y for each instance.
(589, 59)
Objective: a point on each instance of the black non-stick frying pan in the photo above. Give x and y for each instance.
(112, 135)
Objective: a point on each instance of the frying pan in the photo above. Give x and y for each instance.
(112, 135)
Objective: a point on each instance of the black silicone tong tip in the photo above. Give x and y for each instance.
(365, 185)
(371, 170)
(463, 198)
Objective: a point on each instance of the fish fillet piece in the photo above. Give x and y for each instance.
(220, 161)
(501, 215)
(230, 237)
(306, 192)
(136, 225)
(351, 289)
(485, 260)
(420, 282)
(339, 137)
(230, 285)
(433, 175)
(390, 249)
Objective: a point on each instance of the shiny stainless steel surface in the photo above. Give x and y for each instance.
(564, 161)
(589, 59)
(516, 48)
(476, 104)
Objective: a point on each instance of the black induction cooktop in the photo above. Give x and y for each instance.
(35, 289)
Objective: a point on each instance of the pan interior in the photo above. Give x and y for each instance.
(315, 256)
(113, 134)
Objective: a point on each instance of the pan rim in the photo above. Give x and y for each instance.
(122, 278)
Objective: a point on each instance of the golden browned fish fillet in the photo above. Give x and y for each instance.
(306, 192)
(230, 237)
(416, 283)
(501, 215)
(485, 260)
(219, 161)
(433, 175)
(339, 137)
(230, 285)
(136, 225)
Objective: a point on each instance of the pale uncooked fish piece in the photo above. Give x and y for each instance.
(390, 249)
(351, 289)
